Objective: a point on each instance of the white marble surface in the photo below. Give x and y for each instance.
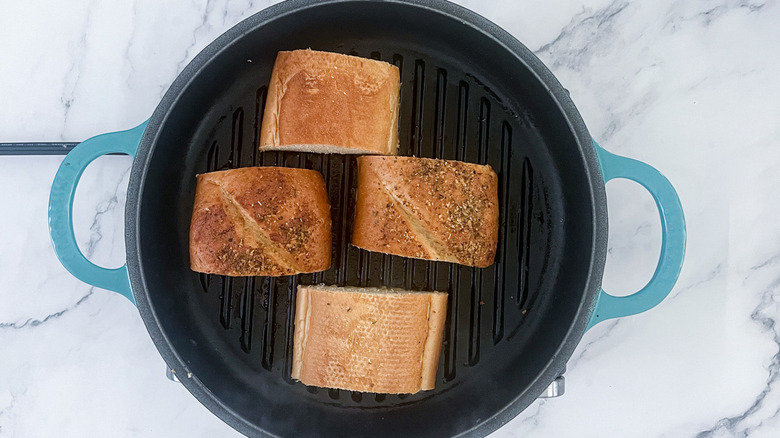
(690, 87)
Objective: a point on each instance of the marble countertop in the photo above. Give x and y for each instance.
(690, 87)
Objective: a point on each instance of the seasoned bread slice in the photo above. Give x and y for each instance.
(331, 103)
(260, 221)
(427, 209)
(368, 339)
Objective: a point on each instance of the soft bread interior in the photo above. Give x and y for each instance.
(313, 325)
(325, 102)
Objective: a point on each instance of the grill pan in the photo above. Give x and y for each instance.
(469, 92)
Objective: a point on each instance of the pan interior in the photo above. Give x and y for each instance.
(464, 96)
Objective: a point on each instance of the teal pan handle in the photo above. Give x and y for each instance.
(672, 238)
(61, 209)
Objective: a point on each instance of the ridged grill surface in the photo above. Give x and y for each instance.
(444, 114)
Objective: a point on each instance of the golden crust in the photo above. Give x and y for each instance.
(329, 102)
(368, 339)
(427, 209)
(268, 221)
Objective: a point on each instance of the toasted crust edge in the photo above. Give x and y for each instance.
(437, 316)
(302, 313)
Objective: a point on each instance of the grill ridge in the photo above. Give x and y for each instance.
(205, 281)
(260, 97)
(289, 328)
(451, 327)
(237, 137)
(213, 157)
(441, 106)
(343, 203)
(247, 313)
(503, 194)
(417, 107)
(475, 316)
(226, 297)
(267, 350)
(525, 213)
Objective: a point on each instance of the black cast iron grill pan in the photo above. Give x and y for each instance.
(465, 96)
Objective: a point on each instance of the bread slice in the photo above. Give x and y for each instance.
(427, 209)
(331, 103)
(368, 339)
(260, 221)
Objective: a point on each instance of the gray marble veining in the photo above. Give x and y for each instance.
(688, 86)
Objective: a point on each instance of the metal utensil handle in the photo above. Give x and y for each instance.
(673, 237)
(37, 148)
(61, 209)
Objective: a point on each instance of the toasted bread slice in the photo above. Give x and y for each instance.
(368, 339)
